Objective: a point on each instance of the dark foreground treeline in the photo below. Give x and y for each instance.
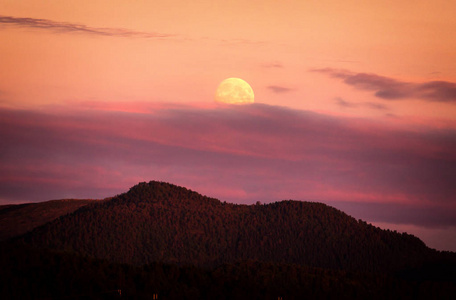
(28, 273)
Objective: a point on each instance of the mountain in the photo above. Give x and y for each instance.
(161, 222)
(162, 240)
(18, 219)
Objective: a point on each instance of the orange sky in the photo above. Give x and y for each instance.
(267, 43)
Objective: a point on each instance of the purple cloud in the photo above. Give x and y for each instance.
(392, 89)
(346, 104)
(279, 89)
(239, 154)
(64, 27)
(273, 65)
(439, 90)
(399, 213)
(377, 106)
(343, 103)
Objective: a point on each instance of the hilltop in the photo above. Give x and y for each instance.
(161, 222)
(166, 240)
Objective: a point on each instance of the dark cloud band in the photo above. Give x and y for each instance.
(392, 89)
(239, 154)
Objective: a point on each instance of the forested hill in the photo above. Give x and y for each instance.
(20, 218)
(161, 222)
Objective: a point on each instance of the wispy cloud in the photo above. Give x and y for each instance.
(400, 213)
(377, 106)
(343, 103)
(64, 27)
(279, 89)
(393, 89)
(346, 104)
(239, 41)
(275, 65)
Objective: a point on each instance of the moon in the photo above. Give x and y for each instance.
(234, 91)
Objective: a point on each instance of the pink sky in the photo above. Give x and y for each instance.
(355, 103)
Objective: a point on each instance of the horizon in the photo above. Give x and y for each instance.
(385, 226)
(355, 104)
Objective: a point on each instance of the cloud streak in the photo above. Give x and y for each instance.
(279, 89)
(64, 27)
(346, 104)
(393, 89)
(274, 65)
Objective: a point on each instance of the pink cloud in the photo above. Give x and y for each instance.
(235, 153)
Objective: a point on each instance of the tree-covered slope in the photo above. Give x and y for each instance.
(18, 219)
(160, 222)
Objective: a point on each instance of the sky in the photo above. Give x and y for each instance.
(355, 104)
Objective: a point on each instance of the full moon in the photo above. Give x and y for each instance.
(234, 91)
